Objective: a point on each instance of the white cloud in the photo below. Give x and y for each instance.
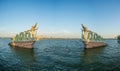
(61, 33)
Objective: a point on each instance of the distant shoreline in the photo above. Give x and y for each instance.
(58, 38)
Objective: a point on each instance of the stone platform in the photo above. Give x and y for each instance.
(22, 44)
(94, 44)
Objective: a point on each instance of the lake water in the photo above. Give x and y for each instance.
(60, 55)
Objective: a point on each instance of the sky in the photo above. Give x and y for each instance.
(60, 18)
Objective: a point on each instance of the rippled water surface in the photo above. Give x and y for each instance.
(60, 55)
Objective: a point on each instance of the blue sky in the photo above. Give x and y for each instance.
(60, 17)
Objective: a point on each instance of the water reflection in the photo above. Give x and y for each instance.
(90, 55)
(118, 41)
(25, 56)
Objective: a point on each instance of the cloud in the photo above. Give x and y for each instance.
(58, 32)
(66, 32)
(61, 34)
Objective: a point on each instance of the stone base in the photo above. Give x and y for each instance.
(94, 44)
(22, 44)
